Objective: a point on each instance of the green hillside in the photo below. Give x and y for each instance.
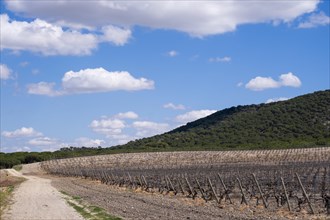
(303, 121)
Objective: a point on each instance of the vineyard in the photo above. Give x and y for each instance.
(295, 180)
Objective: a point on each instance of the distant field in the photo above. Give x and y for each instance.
(192, 158)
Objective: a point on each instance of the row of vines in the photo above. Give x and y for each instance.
(299, 183)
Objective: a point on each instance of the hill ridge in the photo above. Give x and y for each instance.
(303, 121)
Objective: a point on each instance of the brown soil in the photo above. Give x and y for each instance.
(137, 204)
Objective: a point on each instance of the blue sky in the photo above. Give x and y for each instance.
(90, 73)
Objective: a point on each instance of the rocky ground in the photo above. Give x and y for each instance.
(137, 204)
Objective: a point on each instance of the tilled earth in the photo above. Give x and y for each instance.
(137, 204)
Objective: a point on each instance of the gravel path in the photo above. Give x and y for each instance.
(36, 199)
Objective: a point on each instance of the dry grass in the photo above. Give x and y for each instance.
(89, 212)
(7, 186)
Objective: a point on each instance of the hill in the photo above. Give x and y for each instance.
(303, 121)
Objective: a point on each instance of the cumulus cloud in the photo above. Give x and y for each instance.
(5, 72)
(116, 35)
(220, 59)
(42, 37)
(289, 80)
(92, 81)
(100, 80)
(113, 127)
(22, 132)
(43, 88)
(261, 83)
(174, 107)
(108, 126)
(276, 100)
(193, 115)
(194, 17)
(315, 20)
(149, 128)
(120, 129)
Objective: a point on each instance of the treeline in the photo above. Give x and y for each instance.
(8, 160)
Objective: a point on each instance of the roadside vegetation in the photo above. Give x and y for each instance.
(7, 186)
(18, 167)
(87, 211)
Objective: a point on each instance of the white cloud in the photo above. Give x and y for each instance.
(172, 53)
(193, 115)
(220, 59)
(276, 100)
(261, 83)
(40, 36)
(21, 132)
(108, 126)
(43, 88)
(198, 18)
(148, 128)
(289, 80)
(116, 35)
(174, 107)
(42, 141)
(315, 20)
(5, 72)
(92, 81)
(119, 129)
(87, 142)
(100, 80)
(128, 115)
(113, 127)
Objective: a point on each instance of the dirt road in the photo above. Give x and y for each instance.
(36, 199)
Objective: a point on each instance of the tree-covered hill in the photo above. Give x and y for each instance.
(303, 121)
